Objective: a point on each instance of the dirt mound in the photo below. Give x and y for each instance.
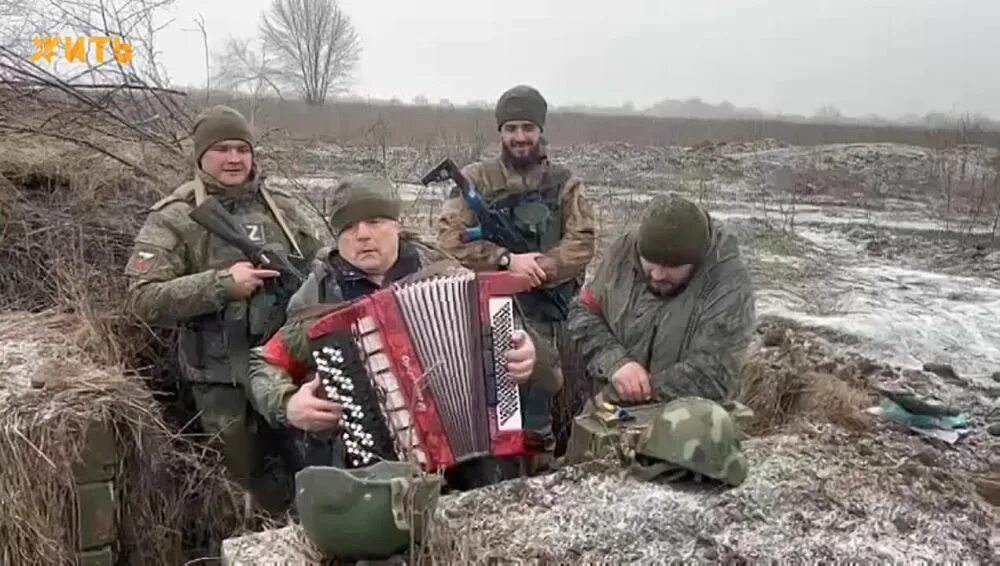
(873, 171)
(69, 216)
(790, 375)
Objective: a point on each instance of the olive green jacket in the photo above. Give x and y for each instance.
(692, 344)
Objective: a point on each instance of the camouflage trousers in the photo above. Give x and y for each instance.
(256, 456)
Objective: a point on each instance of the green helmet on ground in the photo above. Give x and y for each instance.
(369, 513)
(696, 435)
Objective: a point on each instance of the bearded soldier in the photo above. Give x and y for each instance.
(665, 324)
(670, 310)
(547, 206)
(372, 252)
(183, 276)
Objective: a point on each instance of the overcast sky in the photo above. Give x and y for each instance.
(887, 57)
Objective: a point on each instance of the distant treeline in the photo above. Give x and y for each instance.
(352, 123)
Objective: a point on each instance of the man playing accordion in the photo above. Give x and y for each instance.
(372, 252)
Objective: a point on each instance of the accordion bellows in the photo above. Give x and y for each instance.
(420, 369)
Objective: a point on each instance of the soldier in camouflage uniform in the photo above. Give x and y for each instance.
(372, 252)
(667, 319)
(182, 276)
(670, 310)
(547, 205)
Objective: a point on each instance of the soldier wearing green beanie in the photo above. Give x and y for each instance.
(547, 205)
(183, 277)
(521, 103)
(670, 310)
(673, 232)
(372, 252)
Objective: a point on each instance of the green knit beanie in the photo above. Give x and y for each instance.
(363, 198)
(521, 102)
(216, 124)
(674, 231)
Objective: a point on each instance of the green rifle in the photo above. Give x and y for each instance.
(266, 311)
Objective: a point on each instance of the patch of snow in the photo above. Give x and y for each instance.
(907, 316)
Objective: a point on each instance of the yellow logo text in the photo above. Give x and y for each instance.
(75, 49)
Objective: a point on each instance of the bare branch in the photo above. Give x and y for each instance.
(200, 22)
(94, 104)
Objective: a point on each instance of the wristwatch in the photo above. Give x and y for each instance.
(504, 260)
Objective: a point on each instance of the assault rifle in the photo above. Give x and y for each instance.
(266, 309)
(494, 226)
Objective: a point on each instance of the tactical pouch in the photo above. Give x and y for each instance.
(264, 320)
(206, 346)
(191, 346)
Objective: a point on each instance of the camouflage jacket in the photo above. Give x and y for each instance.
(692, 344)
(178, 271)
(278, 368)
(495, 180)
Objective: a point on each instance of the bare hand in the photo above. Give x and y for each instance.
(247, 279)
(527, 264)
(521, 357)
(308, 412)
(631, 382)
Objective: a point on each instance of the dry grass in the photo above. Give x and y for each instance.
(68, 219)
(171, 489)
(786, 383)
(67, 223)
(68, 214)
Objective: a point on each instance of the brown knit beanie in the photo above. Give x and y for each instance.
(216, 124)
(521, 102)
(674, 231)
(363, 198)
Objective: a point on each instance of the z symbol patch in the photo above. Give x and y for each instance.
(255, 232)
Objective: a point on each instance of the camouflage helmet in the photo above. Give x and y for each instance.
(696, 435)
(369, 513)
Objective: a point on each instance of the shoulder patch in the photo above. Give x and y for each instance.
(141, 262)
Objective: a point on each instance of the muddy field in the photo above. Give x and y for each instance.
(874, 252)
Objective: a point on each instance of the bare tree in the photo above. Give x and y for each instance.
(315, 46)
(244, 68)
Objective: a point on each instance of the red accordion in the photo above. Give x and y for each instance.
(420, 369)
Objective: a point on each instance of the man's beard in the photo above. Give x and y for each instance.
(665, 290)
(525, 162)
